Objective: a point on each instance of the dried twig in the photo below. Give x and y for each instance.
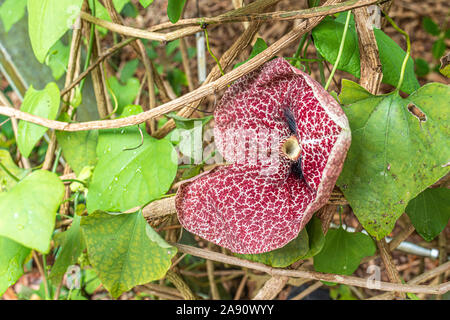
(386, 257)
(191, 26)
(93, 65)
(348, 280)
(160, 291)
(210, 270)
(271, 288)
(179, 283)
(98, 80)
(185, 61)
(175, 104)
(240, 288)
(245, 14)
(138, 33)
(243, 41)
(443, 257)
(371, 73)
(74, 57)
(421, 279)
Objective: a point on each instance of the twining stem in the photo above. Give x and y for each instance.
(180, 284)
(341, 49)
(245, 14)
(408, 50)
(210, 270)
(9, 173)
(48, 293)
(225, 60)
(211, 53)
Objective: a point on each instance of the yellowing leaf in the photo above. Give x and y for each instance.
(124, 250)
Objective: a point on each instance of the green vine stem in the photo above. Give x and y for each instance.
(209, 50)
(408, 50)
(298, 52)
(341, 49)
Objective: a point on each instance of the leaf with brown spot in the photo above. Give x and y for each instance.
(399, 148)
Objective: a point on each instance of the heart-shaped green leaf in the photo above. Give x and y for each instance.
(399, 148)
(12, 258)
(128, 70)
(316, 237)
(42, 103)
(343, 251)
(48, 20)
(12, 11)
(71, 244)
(27, 211)
(327, 38)
(128, 175)
(124, 250)
(429, 212)
(174, 9)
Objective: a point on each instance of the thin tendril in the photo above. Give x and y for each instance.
(75, 180)
(408, 49)
(211, 53)
(140, 144)
(341, 49)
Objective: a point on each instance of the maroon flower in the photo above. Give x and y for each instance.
(287, 139)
